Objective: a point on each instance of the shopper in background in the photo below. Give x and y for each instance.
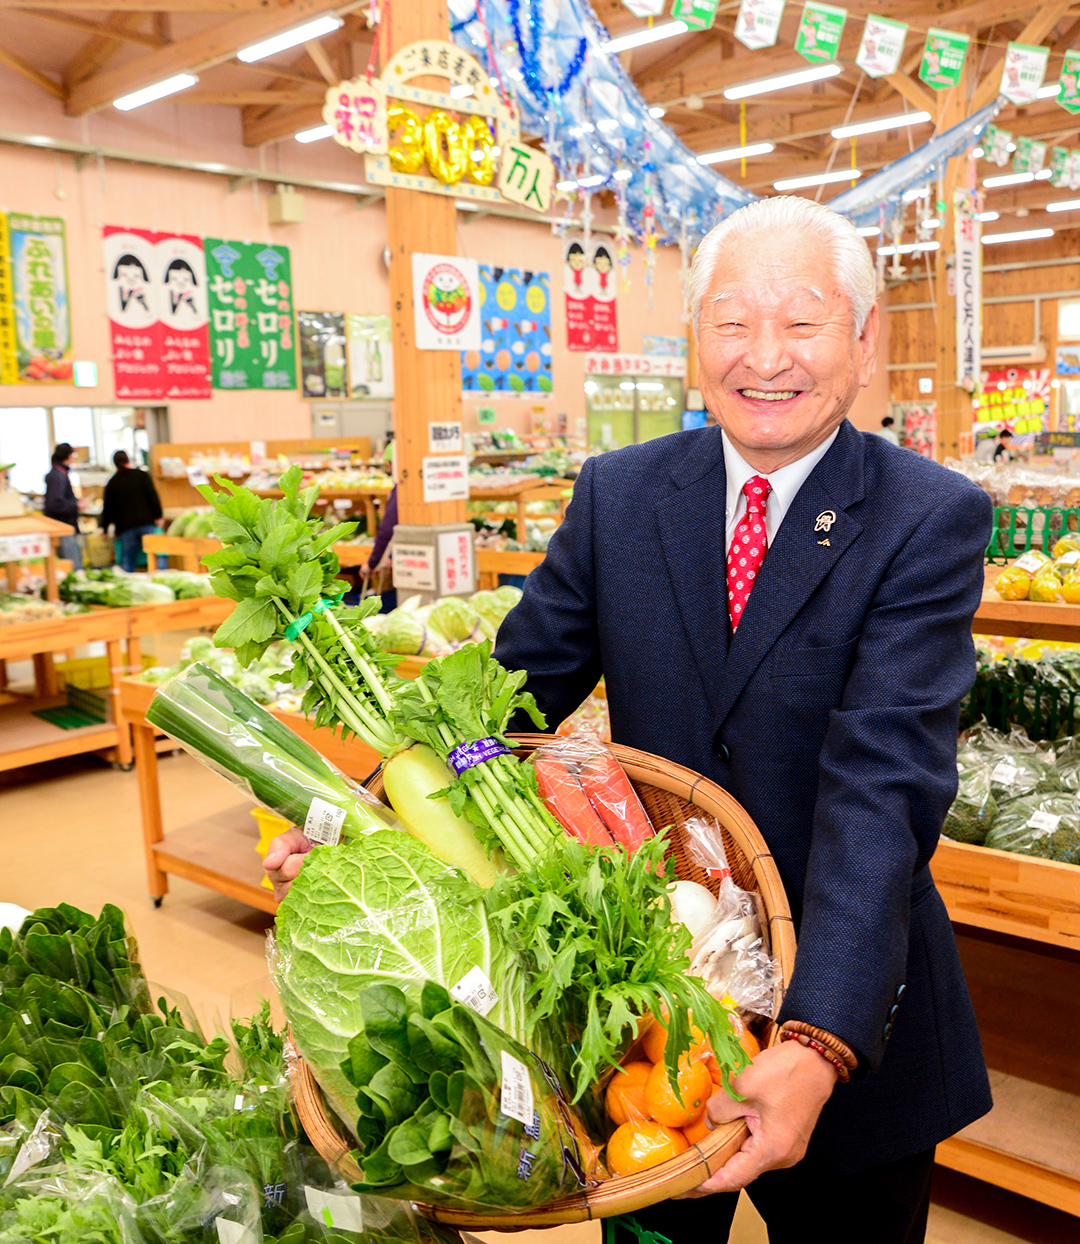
(131, 507)
(61, 502)
(888, 430)
(383, 537)
(1003, 450)
(784, 604)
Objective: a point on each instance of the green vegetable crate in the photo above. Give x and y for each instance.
(670, 795)
(1019, 528)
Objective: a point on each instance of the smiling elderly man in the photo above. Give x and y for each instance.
(784, 604)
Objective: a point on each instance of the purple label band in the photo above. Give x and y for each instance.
(467, 755)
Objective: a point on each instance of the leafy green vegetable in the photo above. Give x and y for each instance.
(456, 619)
(380, 910)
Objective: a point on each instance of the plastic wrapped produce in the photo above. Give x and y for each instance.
(1013, 584)
(975, 809)
(1045, 586)
(1044, 825)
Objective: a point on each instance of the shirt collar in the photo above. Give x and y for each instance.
(785, 482)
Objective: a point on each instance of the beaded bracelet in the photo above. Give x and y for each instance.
(833, 1044)
(842, 1073)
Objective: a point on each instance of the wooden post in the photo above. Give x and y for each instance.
(427, 383)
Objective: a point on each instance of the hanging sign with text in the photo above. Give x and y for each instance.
(446, 302)
(37, 255)
(968, 290)
(252, 326)
(758, 23)
(820, 30)
(943, 58)
(1069, 81)
(1023, 72)
(881, 47)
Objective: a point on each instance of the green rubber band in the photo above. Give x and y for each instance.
(293, 630)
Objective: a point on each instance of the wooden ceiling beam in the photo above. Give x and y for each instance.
(84, 24)
(280, 123)
(98, 49)
(321, 61)
(31, 74)
(217, 44)
(261, 99)
(915, 94)
(276, 72)
(145, 6)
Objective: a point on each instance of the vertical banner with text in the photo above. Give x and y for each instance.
(968, 290)
(9, 357)
(591, 322)
(39, 280)
(252, 333)
(183, 315)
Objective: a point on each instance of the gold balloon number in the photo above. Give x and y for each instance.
(453, 150)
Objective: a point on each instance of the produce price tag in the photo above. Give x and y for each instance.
(476, 991)
(229, 1232)
(1045, 821)
(1030, 562)
(335, 1209)
(323, 824)
(517, 1094)
(1070, 558)
(1004, 773)
(238, 1102)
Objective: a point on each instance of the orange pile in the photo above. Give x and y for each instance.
(654, 1122)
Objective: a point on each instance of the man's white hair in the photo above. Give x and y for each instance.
(854, 266)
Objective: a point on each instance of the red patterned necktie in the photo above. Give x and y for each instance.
(749, 545)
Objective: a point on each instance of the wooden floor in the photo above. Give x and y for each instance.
(69, 831)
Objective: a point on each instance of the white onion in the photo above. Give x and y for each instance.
(692, 905)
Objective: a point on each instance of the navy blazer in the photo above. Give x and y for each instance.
(831, 717)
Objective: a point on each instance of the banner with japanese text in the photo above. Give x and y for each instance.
(514, 359)
(252, 326)
(9, 359)
(968, 289)
(37, 255)
(589, 285)
(155, 288)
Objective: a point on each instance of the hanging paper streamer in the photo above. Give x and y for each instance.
(996, 144)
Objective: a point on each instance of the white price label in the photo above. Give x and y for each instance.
(1004, 773)
(445, 438)
(238, 1102)
(1045, 822)
(335, 1209)
(476, 991)
(229, 1232)
(1070, 558)
(517, 1095)
(1031, 562)
(323, 824)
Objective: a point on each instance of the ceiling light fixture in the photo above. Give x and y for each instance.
(460, 90)
(657, 111)
(817, 179)
(647, 34)
(780, 81)
(869, 231)
(324, 25)
(1064, 205)
(1048, 92)
(565, 187)
(908, 248)
(986, 217)
(179, 82)
(314, 134)
(882, 123)
(930, 224)
(1008, 179)
(589, 183)
(1026, 235)
(735, 153)
(1044, 174)
(977, 153)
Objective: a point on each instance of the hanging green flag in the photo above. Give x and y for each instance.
(1059, 158)
(996, 145)
(1069, 95)
(881, 47)
(819, 32)
(697, 14)
(1030, 156)
(943, 58)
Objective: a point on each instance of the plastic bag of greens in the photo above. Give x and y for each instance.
(1017, 765)
(1045, 586)
(135, 590)
(975, 809)
(1044, 825)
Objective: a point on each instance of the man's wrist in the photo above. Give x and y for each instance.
(823, 1043)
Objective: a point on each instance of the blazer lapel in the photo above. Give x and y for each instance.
(798, 560)
(692, 524)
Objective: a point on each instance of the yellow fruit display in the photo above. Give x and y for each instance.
(1069, 543)
(1045, 587)
(1013, 584)
(1070, 588)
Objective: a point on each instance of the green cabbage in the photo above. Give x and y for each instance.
(200, 527)
(138, 591)
(379, 910)
(509, 595)
(456, 619)
(403, 631)
(196, 649)
(179, 526)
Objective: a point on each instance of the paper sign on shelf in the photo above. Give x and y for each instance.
(1023, 72)
(446, 302)
(445, 438)
(1069, 81)
(881, 47)
(758, 23)
(446, 478)
(457, 561)
(414, 566)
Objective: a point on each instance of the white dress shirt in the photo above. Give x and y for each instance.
(785, 485)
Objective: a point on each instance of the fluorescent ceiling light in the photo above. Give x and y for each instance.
(180, 82)
(314, 134)
(779, 81)
(647, 34)
(1044, 174)
(868, 231)
(1009, 179)
(817, 179)
(986, 217)
(650, 386)
(460, 90)
(626, 384)
(566, 186)
(588, 183)
(882, 123)
(908, 248)
(735, 153)
(1064, 205)
(1048, 92)
(657, 111)
(622, 174)
(1024, 235)
(978, 153)
(931, 224)
(290, 38)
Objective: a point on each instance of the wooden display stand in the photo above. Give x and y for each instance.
(490, 563)
(523, 492)
(33, 525)
(1017, 920)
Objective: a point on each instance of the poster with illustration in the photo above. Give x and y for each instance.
(37, 259)
(322, 354)
(446, 302)
(155, 295)
(514, 359)
(251, 315)
(590, 286)
(370, 354)
(1017, 398)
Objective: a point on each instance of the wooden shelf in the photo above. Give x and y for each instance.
(1024, 618)
(490, 563)
(22, 640)
(179, 615)
(27, 740)
(219, 852)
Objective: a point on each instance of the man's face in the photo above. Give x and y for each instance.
(779, 363)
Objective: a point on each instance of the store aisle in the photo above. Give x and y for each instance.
(71, 833)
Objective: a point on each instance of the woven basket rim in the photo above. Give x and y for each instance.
(619, 1194)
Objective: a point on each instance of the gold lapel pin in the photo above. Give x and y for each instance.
(825, 541)
(824, 521)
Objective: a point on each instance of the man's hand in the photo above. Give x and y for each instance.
(284, 858)
(783, 1091)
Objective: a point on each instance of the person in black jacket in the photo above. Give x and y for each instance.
(61, 502)
(131, 506)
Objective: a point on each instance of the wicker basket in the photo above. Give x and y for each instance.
(670, 795)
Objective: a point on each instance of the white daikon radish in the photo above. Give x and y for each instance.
(692, 905)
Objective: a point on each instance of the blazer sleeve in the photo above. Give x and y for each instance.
(552, 632)
(887, 777)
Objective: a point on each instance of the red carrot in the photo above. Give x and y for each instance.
(611, 794)
(567, 802)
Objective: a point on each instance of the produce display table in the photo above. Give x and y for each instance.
(32, 537)
(1017, 920)
(524, 491)
(490, 563)
(159, 549)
